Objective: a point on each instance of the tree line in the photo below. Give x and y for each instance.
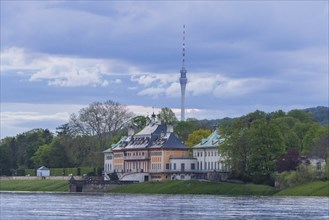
(81, 141)
(259, 145)
(254, 144)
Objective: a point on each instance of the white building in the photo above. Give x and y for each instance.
(183, 168)
(108, 160)
(43, 171)
(206, 153)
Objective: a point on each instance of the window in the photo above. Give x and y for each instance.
(167, 166)
(182, 167)
(192, 166)
(201, 154)
(198, 153)
(174, 166)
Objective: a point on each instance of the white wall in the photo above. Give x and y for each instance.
(43, 172)
(108, 163)
(208, 159)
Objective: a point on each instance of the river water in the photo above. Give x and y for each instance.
(45, 206)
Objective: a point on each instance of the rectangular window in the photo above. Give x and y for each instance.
(193, 166)
(174, 166)
(156, 153)
(167, 166)
(182, 167)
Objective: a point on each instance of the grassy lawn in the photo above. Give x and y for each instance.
(196, 187)
(34, 185)
(317, 188)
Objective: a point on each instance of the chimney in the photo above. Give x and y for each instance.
(170, 128)
(131, 131)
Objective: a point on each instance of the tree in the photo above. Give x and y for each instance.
(320, 148)
(5, 157)
(286, 125)
(266, 144)
(184, 128)
(52, 155)
(289, 161)
(235, 147)
(167, 116)
(103, 120)
(251, 145)
(196, 136)
(139, 122)
(302, 116)
(81, 150)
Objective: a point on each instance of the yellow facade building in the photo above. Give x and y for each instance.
(146, 155)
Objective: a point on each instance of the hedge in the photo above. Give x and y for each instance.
(66, 171)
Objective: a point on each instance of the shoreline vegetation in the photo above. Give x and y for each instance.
(316, 188)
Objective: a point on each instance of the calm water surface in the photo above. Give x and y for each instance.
(45, 206)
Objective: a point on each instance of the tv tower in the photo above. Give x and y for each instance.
(183, 79)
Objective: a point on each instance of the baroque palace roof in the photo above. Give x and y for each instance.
(153, 136)
(211, 141)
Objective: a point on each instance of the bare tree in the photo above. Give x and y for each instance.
(103, 120)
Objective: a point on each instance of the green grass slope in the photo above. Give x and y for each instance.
(34, 185)
(317, 188)
(196, 187)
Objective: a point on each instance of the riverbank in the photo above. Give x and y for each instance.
(318, 188)
(197, 187)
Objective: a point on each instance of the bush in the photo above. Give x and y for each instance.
(29, 172)
(304, 173)
(20, 172)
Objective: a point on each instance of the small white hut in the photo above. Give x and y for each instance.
(43, 171)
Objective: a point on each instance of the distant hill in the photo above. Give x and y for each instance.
(211, 123)
(320, 114)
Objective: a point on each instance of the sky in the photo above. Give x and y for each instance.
(58, 57)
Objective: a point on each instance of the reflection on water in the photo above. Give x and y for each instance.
(108, 206)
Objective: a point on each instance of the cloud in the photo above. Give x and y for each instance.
(60, 71)
(152, 91)
(20, 121)
(201, 84)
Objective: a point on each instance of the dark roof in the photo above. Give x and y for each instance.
(152, 136)
(43, 168)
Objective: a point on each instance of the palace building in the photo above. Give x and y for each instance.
(156, 153)
(207, 155)
(146, 155)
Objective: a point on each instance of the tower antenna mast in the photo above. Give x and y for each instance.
(183, 79)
